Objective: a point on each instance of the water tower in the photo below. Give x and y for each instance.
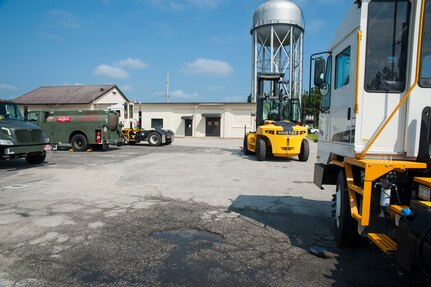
(278, 35)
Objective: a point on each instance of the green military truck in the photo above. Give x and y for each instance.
(18, 138)
(80, 128)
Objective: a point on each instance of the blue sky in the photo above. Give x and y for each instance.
(204, 45)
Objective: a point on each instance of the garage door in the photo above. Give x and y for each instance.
(212, 127)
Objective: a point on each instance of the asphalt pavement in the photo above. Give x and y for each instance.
(195, 213)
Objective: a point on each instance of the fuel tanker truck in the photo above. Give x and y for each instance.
(81, 129)
(375, 127)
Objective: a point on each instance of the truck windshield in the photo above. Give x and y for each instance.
(425, 71)
(10, 111)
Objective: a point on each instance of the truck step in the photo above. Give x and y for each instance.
(356, 189)
(383, 241)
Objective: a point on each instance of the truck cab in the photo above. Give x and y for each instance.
(18, 138)
(375, 127)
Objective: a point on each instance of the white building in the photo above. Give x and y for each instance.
(225, 120)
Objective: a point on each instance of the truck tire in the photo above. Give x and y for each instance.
(79, 142)
(245, 146)
(305, 151)
(261, 150)
(346, 227)
(154, 139)
(36, 158)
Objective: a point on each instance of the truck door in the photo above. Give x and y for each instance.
(342, 91)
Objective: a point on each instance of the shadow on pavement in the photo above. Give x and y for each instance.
(308, 224)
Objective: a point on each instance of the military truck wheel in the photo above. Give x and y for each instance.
(305, 151)
(154, 139)
(79, 142)
(37, 158)
(245, 146)
(261, 149)
(346, 233)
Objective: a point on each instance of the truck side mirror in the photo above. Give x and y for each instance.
(319, 72)
(26, 113)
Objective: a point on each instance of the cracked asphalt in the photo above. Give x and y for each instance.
(194, 213)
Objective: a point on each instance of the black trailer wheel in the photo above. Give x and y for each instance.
(305, 151)
(79, 142)
(245, 146)
(261, 150)
(154, 139)
(36, 158)
(346, 227)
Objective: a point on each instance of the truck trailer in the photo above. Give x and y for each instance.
(374, 140)
(18, 138)
(80, 128)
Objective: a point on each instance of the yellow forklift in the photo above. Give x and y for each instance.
(278, 131)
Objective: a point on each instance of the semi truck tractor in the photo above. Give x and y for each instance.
(375, 127)
(18, 138)
(154, 137)
(81, 129)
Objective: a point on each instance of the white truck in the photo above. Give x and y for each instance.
(375, 127)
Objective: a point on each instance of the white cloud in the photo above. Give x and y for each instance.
(7, 87)
(180, 5)
(133, 63)
(182, 95)
(110, 71)
(208, 67)
(66, 19)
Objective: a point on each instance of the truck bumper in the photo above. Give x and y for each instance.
(16, 151)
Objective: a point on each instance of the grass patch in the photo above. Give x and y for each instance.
(313, 137)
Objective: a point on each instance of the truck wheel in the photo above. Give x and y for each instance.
(305, 151)
(245, 146)
(36, 158)
(261, 149)
(346, 233)
(79, 142)
(154, 139)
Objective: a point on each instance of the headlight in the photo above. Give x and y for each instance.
(7, 131)
(6, 142)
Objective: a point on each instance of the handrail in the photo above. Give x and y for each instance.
(358, 57)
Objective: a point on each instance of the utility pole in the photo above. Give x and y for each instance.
(167, 88)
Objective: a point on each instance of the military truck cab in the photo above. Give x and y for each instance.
(81, 129)
(18, 138)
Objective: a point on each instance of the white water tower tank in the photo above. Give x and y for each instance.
(278, 35)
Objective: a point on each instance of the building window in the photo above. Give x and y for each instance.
(342, 68)
(156, 123)
(130, 111)
(387, 45)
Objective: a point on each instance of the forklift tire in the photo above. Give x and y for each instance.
(79, 142)
(245, 146)
(261, 149)
(346, 227)
(154, 139)
(305, 151)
